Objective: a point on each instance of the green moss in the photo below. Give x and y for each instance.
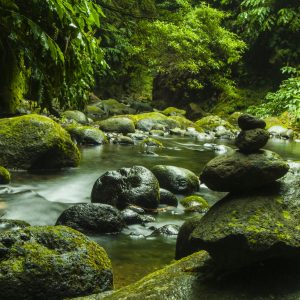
(4, 176)
(211, 122)
(151, 142)
(186, 202)
(173, 111)
(286, 215)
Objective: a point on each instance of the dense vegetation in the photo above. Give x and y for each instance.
(56, 52)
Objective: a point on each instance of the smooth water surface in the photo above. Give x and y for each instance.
(40, 198)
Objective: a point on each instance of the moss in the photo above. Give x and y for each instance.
(173, 111)
(286, 214)
(151, 142)
(211, 122)
(4, 176)
(187, 201)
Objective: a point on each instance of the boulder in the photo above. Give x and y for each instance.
(136, 185)
(131, 216)
(93, 218)
(94, 112)
(76, 115)
(167, 198)
(166, 230)
(175, 179)
(173, 111)
(51, 262)
(124, 140)
(281, 132)
(117, 124)
(6, 224)
(4, 176)
(195, 203)
(36, 142)
(113, 107)
(211, 122)
(247, 122)
(86, 135)
(249, 141)
(237, 171)
(253, 226)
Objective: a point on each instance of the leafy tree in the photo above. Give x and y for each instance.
(50, 45)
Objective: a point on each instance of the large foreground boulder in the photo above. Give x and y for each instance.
(195, 278)
(51, 263)
(175, 179)
(237, 171)
(136, 185)
(253, 226)
(35, 142)
(93, 218)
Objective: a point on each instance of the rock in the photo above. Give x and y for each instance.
(92, 218)
(212, 122)
(131, 217)
(167, 198)
(175, 179)
(237, 171)
(136, 185)
(233, 118)
(6, 224)
(222, 132)
(4, 176)
(173, 111)
(141, 106)
(76, 115)
(94, 112)
(247, 122)
(113, 107)
(253, 226)
(177, 131)
(118, 124)
(124, 140)
(195, 277)
(195, 203)
(36, 142)
(184, 123)
(183, 243)
(86, 135)
(249, 141)
(53, 262)
(166, 230)
(281, 132)
(156, 132)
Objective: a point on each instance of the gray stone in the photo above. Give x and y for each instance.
(117, 124)
(167, 198)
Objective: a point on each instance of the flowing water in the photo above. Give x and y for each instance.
(40, 198)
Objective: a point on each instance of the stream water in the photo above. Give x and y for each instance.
(40, 198)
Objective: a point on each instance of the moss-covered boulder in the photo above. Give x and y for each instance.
(244, 228)
(167, 198)
(7, 224)
(51, 262)
(175, 179)
(113, 107)
(195, 203)
(76, 115)
(36, 142)
(94, 112)
(118, 124)
(211, 122)
(120, 188)
(92, 218)
(237, 171)
(86, 135)
(173, 111)
(4, 176)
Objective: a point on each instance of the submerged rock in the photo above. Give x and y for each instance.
(237, 171)
(118, 124)
(175, 179)
(93, 218)
(136, 185)
(252, 140)
(131, 217)
(167, 198)
(4, 176)
(166, 230)
(51, 262)
(254, 226)
(36, 142)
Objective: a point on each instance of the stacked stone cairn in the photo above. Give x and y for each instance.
(259, 219)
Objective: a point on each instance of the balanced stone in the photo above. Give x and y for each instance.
(247, 122)
(252, 226)
(136, 185)
(238, 171)
(249, 141)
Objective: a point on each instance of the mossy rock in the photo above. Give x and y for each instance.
(36, 142)
(151, 142)
(273, 121)
(6, 224)
(86, 134)
(113, 107)
(117, 124)
(173, 111)
(51, 262)
(243, 228)
(212, 122)
(95, 112)
(76, 115)
(4, 176)
(195, 203)
(233, 118)
(184, 123)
